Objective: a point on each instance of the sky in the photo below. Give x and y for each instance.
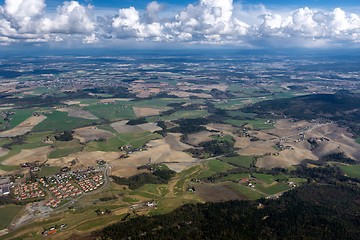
(177, 24)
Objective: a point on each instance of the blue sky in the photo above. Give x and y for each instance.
(137, 23)
(284, 3)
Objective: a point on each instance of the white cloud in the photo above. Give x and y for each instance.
(205, 21)
(26, 20)
(129, 24)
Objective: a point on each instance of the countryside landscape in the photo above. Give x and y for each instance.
(91, 146)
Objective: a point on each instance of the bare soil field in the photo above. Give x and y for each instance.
(221, 127)
(78, 113)
(248, 148)
(146, 112)
(184, 94)
(88, 134)
(121, 127)
(286, 158)
(340, 141)
(173, 139)
(216, 193)
(85, 159)
(3, 152)
(144, 90)
(200, 137)
(159, 151)
(72, 102)
(24, 127)
(29, 155)
(285, 128)
(150, 127)
(188, 86)
(113, 100)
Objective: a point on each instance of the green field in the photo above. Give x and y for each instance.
(256, 123)
(273, 189)
(63, 149)
(246, 192)
(266, 178)
(112, 112)
(240, 161)
(138, 139)
(32, 140)
(351, 171)
(130, 200)
(231, 104)
(19, 116)
(358, 140)
(135, 139)
(170, 204)
(60, 121)
(152, 191)
(234, 177)
(48, 171)
(183, 114)
(110, 145)
(214, 167)
(241, 114)
(7, 214)
(161, 102)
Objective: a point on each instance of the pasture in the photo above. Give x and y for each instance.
(351, 170)
(7, 214)
(60, 121)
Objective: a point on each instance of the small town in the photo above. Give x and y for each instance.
(57, 188)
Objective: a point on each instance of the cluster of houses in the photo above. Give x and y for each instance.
(28, 191)
(91, 184)
(71, 184)
(250, 182)
(60, 186)
(62, 191)
(282, 147)
(52, 202)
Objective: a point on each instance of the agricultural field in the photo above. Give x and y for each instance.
(258, 124)
(351, 171)
(60, 121)
(112, 112)
(213, 167)
(7, 214)
(166, 134)
(240, 161)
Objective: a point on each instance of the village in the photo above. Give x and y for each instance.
(56, 189)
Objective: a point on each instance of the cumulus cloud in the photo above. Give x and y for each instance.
(204, 21)
(307, 23)
(26, 20)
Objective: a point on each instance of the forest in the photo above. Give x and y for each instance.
(310, 212)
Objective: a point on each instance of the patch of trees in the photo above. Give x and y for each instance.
(109, 198)
(65, 136)
(18, 140)
(137, 121)
(139, 180)
(217, 94)
(162, 125)
(218, 147)
(188, 126)
(337, 157)
(326, 174)
(116, 91)
(310, 212)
